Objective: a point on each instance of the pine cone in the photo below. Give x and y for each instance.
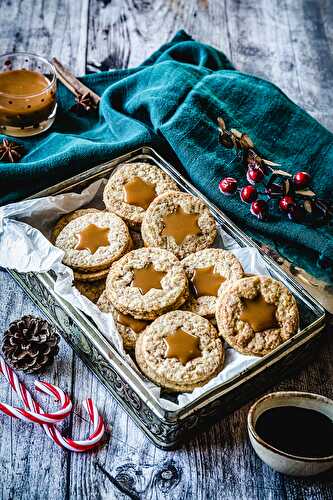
(30, 344)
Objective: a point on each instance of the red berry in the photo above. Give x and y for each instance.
(286, 202)
(302, 179)
(259, 208)
(248, 194)
(254, 175)
(228, 186)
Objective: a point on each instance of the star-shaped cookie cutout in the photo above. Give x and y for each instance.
(180, 224)
(183, 346)
(206, 282)
(260, 315)
(147, 278)
(139, 192)
(92, 237)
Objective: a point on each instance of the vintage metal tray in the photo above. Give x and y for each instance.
(167, 428)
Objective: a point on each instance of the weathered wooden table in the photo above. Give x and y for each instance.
(287, 41)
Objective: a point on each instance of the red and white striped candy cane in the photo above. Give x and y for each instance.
(25, 396)
(34, 412)
(79, 446)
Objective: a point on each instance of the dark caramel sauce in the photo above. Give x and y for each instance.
(183, 346)
(206, 281)
(259, 314)
(179, 224)
(297, 431)
(92, 237)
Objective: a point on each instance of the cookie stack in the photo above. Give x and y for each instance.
(91, 240)
(164, 285)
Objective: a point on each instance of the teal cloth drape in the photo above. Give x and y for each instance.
(171, 102)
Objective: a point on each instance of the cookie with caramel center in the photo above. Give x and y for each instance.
(93, 241)
(208, 271)
(180, 351)
(147, 282)
(131, 189)
(256, 315)
(65, 219)
(180, 223)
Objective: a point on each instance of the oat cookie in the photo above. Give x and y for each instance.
(207, 271)
(257, 314)
(180, 351)
(86, 276)
(103, 271)
(92, 290)
(147, 282)
(128, 327)
(178, 222)
(131, 189)
(94, 276)
(65, 219)
(93, 241)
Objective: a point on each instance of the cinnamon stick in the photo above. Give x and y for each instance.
(72, 83)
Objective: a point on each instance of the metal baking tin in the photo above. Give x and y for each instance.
(168, 428)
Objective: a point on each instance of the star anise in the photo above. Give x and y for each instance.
(10, 152)
(84, 103)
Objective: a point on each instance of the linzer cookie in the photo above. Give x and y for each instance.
(92, 290)
(93, 241)
(147, 282)
(88, 277)
(180, 351)
(257, 314)
(132, 188)
(65, 219)
(178, 222)
(207, 270)
(127, 326)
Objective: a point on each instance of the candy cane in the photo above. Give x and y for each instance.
(25, 396)
(91, 442)
(34, 412)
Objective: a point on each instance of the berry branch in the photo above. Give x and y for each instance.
(288, 193)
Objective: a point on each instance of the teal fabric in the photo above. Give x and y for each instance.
(171, 102)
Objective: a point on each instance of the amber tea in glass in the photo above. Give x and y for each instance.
(27, 94)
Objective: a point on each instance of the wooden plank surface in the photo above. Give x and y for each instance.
(289, 42)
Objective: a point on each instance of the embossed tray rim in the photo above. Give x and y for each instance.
(109, 352)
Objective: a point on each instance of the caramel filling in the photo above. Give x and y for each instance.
(259, 314)
(179, 224)
(183, 346)
(92, 237)
(137, 325)
(139, 192)
(206, 282)
(147, 278)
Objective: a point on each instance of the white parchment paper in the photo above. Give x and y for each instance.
(25, 229)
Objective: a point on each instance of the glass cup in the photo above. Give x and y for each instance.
(28, 87)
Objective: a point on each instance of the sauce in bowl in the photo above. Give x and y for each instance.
(297, 431)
